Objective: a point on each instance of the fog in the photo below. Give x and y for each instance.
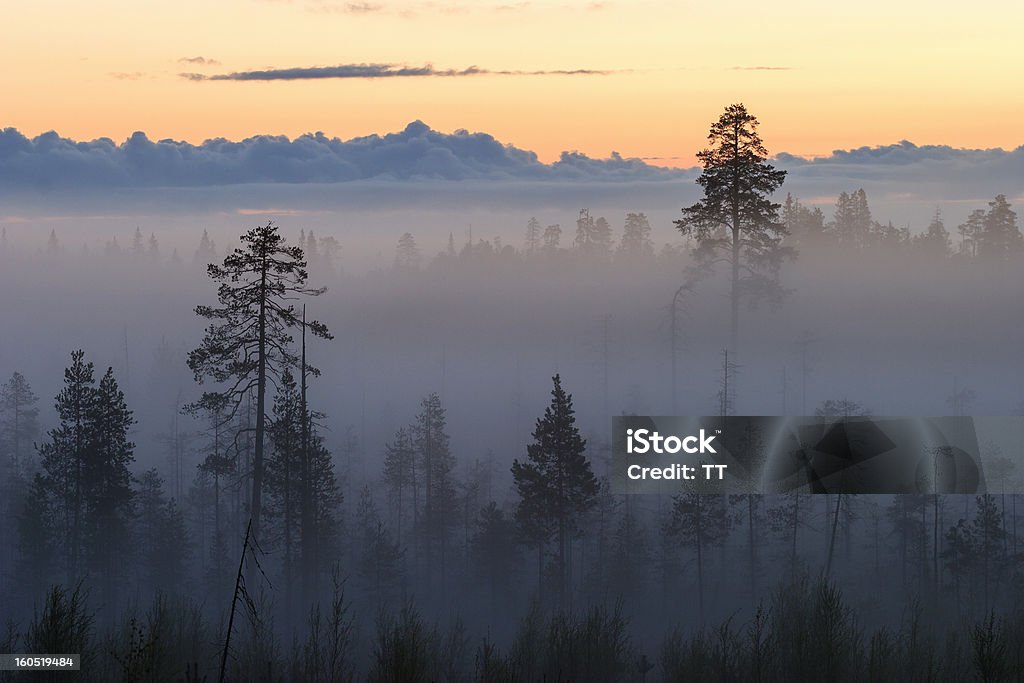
(895, 328)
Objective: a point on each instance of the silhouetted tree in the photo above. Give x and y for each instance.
(19, 426)
(555, 483)
(552, 237)
(532, 241)
(636, 238)
(806, 227)
(852, 220)
(207, 252)
(736, 222)
(407, 254)
(249, 340)
(63, 458)
(284, 479)
(972, 232)
(436, 463)
(1000, 235)
(934, 241)
(593, 236)
(106, 483)
(400, 476)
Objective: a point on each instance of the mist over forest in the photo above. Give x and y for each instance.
(455, 296)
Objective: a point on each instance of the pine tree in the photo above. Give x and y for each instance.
(249, 340)
(555, 483)
(400, 476)
(52, 245)
(320, 540)
(972, 232)
(593, 236)
(436, 464)
(207, 252)
(636, 238)
(407, 254)
(533, 237)
(736, 222)
(935, 240)
(988, 536)
(63, 458)
(106, 483)
(1000, 236)
(806, 227)
(19, 426)
(138, 244)
(284, 478)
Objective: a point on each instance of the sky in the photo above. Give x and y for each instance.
(643, 78)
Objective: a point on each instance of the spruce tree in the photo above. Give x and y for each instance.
(555, 482)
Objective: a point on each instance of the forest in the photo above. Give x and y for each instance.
(247, 460)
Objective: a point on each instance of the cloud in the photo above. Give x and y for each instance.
(904, 172)
(127, 75)
(198, 61)
(762, 68)
(50, 162)
(369, 71)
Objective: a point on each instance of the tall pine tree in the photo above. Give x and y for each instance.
(249, 341)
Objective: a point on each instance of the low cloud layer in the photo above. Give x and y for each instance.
(905, 182)
(50, 162)
(911, 172)
(369, 71)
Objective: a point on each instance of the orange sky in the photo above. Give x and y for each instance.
(935, 73)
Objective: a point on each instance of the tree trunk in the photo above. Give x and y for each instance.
(261, 412)
(306, 534)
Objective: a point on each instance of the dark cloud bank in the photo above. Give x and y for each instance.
(53, 162)
(903, 178)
